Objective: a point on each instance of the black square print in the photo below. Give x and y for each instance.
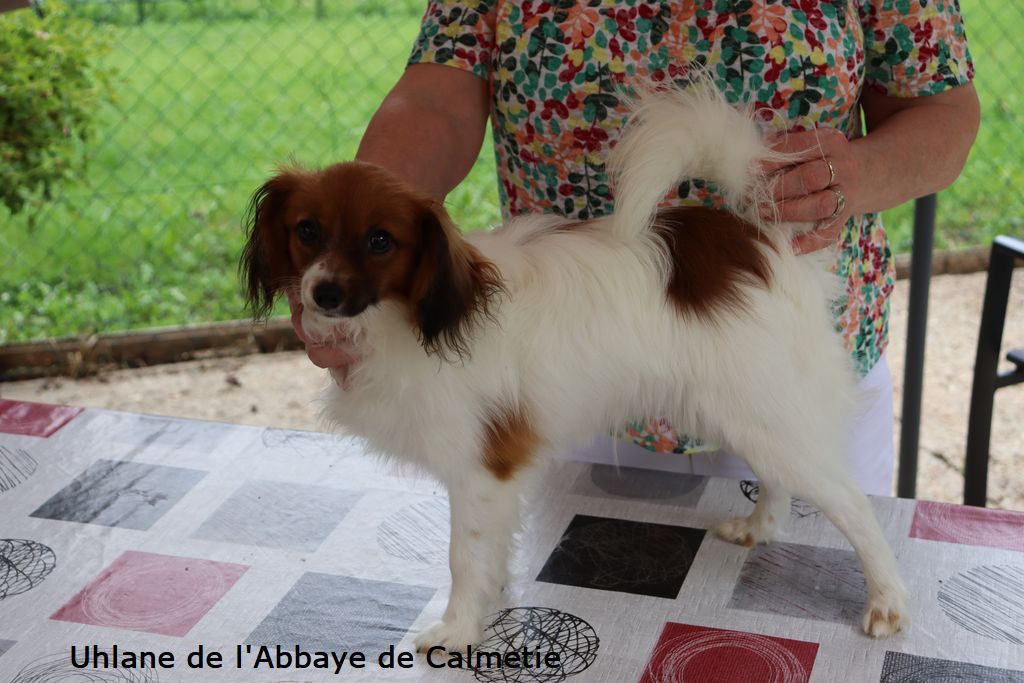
(120, 493)
(619, 555)
(802, 581)
(278, 515)
(328, 612)
(900, 667)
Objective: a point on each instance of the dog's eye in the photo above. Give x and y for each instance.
(308, 231)
(379, 242)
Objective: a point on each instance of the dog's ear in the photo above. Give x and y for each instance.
(266, 263)
(453, 285)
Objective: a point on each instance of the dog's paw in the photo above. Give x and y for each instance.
(746, 532)
(451, 635)
(885, 615)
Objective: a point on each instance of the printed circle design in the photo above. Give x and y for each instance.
(685, 658)
(23, 565)
(150, 594)
(417, 532)
(799, 508)
(539, 629)
(15, 467)
(59, 668)
(988, 601)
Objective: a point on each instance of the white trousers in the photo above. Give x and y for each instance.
(870, 454)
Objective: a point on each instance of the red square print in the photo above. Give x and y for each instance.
(152, 593)
(698, 653)
(968, 525)
(34, 419)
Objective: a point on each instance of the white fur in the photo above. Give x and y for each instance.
(585, 339)
(659, 148)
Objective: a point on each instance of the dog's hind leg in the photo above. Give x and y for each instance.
(765, 523)
(849, 509)
(484, 517)
(811, 468)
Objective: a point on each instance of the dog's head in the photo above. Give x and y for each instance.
(352, 236)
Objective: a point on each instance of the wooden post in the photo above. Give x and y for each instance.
(9, 5)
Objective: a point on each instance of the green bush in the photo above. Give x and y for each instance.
(50, 88)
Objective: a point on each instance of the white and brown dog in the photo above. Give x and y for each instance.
(475, 355)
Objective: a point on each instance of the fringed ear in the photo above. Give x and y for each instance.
(454, 286)
(266, 263)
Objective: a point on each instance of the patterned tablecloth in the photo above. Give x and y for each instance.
(281, 552)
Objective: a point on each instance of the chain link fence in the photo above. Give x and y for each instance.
(209, 95)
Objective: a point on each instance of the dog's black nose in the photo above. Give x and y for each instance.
(328, 295)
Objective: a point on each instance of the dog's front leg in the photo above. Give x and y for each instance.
(484, 517)
(766, 522)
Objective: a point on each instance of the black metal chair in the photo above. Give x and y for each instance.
(987, 378)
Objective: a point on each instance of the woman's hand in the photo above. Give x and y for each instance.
(320, 354)
(914, 146)
(825, 189)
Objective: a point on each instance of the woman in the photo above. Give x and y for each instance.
(549, 74)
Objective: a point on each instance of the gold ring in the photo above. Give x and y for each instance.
(831, 174)
(840, 202)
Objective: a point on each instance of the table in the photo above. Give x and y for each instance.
(163, 536)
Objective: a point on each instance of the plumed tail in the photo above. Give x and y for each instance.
(678, 134)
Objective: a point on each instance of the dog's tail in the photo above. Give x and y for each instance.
(678, 134)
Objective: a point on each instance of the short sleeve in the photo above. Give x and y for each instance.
(457, 33)
(914, 47)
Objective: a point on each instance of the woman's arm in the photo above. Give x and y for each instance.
(429, 128)
(914, 146)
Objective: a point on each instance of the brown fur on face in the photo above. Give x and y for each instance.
(713, 252)
(443, 280)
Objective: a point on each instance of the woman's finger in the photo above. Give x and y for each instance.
(805, 145)
(817, 206)
(809, 177)
(819, 238)
(296, 306)
(327, 356)
(320, 354)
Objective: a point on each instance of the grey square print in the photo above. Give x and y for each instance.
(900, 667)
(328, 612)
(144, 431)
(5, 645)
(120, 493)
(278, 515)
(802, 581)
(634, 483)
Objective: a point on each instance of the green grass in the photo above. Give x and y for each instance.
(206, 109)
(986, 200)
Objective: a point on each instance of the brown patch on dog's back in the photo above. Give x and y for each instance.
(713, 252)
(510, 443)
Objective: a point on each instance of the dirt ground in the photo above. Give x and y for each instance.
(280, 390)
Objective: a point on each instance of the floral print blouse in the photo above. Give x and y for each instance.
(554, 68)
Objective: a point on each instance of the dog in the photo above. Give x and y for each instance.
(475, 356)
